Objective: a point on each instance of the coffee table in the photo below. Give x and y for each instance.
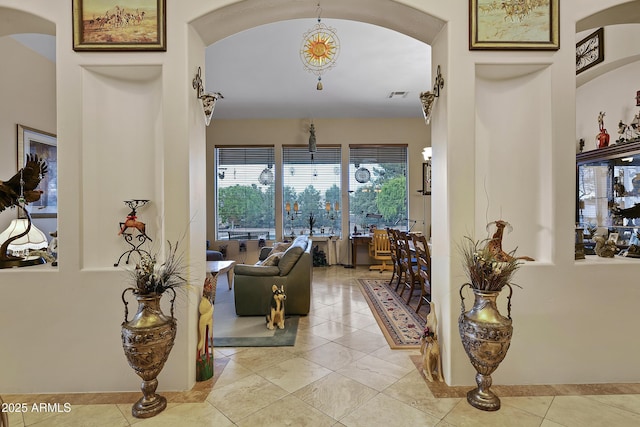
(219, 267)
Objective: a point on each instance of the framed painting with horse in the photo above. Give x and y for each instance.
(99, 25)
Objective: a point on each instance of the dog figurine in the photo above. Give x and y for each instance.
(276, 313)
(430, 350)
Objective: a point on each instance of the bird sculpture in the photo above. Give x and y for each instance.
(495, 244)
(21, 188)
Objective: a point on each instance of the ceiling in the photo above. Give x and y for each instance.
(260, 74)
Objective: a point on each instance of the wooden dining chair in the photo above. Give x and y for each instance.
(423, 258)
(409, 266)
(402, 272)
(381, 250)
(395, 257)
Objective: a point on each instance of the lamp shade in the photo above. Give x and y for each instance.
(426, 153)
(36, 239)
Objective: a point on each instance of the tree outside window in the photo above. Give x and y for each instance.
(378, 187)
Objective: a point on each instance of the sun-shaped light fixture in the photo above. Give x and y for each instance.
(320, 49)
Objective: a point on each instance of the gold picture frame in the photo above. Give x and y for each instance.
(514, 25)
(45, 145)
(138, 26)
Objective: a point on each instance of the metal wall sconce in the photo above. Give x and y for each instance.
(208, 99)
(428, 98)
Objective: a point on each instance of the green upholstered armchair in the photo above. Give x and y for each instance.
(292, 268)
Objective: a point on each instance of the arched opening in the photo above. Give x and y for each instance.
(28, 93)
(245, 17)
(607, 97)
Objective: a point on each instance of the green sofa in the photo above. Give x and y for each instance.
(293, 268)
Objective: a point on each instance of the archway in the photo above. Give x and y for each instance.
(28, 89)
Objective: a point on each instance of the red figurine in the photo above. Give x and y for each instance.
(603, 136)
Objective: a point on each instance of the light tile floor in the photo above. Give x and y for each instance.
(341, 372)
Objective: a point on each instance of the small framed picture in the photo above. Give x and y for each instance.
(136, 25)
(590, 51)
(426, 178)
(45, 146)
(514, 25)
(613, 237)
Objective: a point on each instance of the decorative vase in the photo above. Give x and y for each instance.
(603, 139)
(147, 340)
(486, 336)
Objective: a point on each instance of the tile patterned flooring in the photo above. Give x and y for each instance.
(341, 372)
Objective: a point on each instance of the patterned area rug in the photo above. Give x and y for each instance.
(400, 324)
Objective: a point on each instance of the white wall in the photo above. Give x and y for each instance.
(63, 330)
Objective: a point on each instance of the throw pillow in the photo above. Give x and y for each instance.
(289, 259)
(280, 246)
(273, 259)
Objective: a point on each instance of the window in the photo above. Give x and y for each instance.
(311, 184)
(378, 187)
(245, 192)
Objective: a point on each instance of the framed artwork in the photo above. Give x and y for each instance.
(514, 25)
(45, 145)
(590, 51)
(426, 178)
(100, 25)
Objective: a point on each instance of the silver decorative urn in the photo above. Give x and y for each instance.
(486, 336)
(147, 340)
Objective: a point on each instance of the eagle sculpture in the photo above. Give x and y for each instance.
(21, 188)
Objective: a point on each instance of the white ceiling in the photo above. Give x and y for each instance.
(260, 74)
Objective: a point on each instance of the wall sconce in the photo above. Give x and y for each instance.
(426, 171)
(428, 98)
(208, 99)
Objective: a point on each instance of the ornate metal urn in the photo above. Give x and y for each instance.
(486, 336)
(147, 340)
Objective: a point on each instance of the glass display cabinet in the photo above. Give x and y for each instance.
(608, 192)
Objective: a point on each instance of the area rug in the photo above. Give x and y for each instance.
(400, 324)
(230, 330)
